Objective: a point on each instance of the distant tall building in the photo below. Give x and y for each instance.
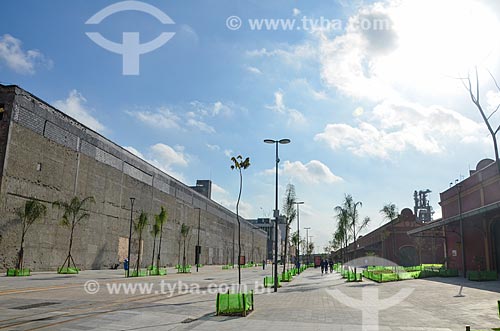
(204, 187)
(422, 209)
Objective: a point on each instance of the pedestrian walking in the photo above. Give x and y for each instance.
(322, 264)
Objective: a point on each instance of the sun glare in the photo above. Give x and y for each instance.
(440, 39)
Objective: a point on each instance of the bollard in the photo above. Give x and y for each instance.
(467, 328)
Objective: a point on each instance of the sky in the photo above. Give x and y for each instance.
(370, 93)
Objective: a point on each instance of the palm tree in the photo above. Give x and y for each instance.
(184, 233)
(290, 214)
(390, 213)
(33, 210)
(160, 219)
(350, 207)
(139, 227)
(342, 233)
(154, 233)
(74, 213)
(239, 164)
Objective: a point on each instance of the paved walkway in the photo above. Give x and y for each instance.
(311, 302)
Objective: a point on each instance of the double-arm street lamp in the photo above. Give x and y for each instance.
(298, 203)
(276, 210)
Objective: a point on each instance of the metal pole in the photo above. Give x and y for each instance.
(198, 244)
(276, 210)
(130, 233)
(307, 243)
(276, 218)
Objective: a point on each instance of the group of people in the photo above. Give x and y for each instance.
(325, 265)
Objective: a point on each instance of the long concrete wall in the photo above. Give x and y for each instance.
(46, 155)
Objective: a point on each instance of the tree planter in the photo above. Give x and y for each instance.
(482, 275)
(18, 272)
(269, 282)
(154, 271)
(239, 304)
(354, 277)
(286, 277)
(66, 270)
(184, 269)
(142, 273)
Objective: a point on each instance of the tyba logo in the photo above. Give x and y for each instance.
(130, 48)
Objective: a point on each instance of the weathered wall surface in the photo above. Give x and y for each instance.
(49, 156)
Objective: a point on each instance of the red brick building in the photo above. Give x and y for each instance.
(391, 241)
(471, 220)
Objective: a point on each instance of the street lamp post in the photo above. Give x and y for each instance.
(298, 203)
(307, 242)
(276, 210)
(130, 233)
(462, 241)
(198, 248)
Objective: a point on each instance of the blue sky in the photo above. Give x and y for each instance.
(377, 112)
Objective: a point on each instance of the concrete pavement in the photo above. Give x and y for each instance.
(311, 301)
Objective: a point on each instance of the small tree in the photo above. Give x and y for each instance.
(32, 211)
(184, 234)
(160, 219)
(139, 227)
(74, 213)
(290, 214)
(155, 231)
(474, 94)
(239, 164)
(390, 213)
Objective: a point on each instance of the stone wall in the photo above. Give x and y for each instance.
(49, 156)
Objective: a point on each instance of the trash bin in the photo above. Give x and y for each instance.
(125, 264)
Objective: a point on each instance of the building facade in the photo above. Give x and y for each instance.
(48, 156)
(391, 241)
(470, 225)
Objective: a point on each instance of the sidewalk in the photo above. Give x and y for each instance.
(303, 304)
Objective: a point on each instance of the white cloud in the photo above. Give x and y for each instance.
(15, 58)
(228, 152)
(195, 114)
(213, 147)
(202, 126)
(396, 55)
(293, 55)
(294, 117)
(168, 156)
(221, 196)
(165, 158)
(254, 70)
(75, 107)
(394, 127)
(313, 172)
(296, 12)
(134, 151)
(161, 118)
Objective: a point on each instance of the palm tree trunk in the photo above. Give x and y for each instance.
(20, 256)
(159, 248)
(154, 248)
(70, 243)
(184, 255)
(286, 246)
(139, 256)
(179, 255)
